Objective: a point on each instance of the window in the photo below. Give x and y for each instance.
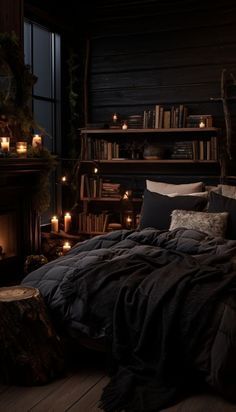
(42, 49)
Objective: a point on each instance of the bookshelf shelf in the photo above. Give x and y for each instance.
(109, 152)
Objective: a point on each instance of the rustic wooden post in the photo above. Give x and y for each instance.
(31, 353)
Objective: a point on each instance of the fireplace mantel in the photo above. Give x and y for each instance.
(19, 178)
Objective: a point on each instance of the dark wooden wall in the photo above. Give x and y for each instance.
(159, 51)
(11, 16)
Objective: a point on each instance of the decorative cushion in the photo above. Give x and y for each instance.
(166, 188)
(157, 208)
(220, 203)
(228, 191)
(214, 224)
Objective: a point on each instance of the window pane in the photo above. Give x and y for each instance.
(27, 43)
(42, 61)
(44, 116)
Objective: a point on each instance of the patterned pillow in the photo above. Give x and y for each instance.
(214, 224)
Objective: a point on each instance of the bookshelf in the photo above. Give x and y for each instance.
(109, 170)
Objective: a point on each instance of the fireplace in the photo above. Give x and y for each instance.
(19, 220)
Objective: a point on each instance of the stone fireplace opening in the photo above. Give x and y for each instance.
(19, 220)
(8, 235)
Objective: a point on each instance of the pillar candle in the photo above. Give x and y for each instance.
(66, 247)
(54, 224)
(67, 222)
(5, 144)
(37, 141)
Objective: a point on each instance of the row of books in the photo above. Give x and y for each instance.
(90, 222)
(99, 149)
(174, 117)
(93, 187)
(196, 150)
(160, 117)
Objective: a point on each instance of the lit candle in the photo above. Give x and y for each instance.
(67, 222)
(114, 117)
(66, 247)
(21, 149)
(63, 179)
(128, 221)
(95, 170)
(124, 126)
(54, 224)
(5, 144)
(201, 124)
(37, 141)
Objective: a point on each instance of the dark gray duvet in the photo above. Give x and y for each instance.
(166, 301)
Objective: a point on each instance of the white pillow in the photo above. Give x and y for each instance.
(214, 224)
(167, 188)
(200, 194)
(228, 191)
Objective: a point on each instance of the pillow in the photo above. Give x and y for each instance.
(199, 194)
(214, 224)
(166, 188)
(156, 208)
(228, 191)
(220, 203)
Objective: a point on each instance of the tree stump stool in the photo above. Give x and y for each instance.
(31, 353)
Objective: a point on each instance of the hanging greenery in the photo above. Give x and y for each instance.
(16, 82)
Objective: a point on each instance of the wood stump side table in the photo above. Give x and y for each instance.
(31, 353)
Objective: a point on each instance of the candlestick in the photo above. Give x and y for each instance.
(37, 141)
(21, 149)
(66, 247)
(67, 222)
(5, 144)
(54, 224)
(124, 126)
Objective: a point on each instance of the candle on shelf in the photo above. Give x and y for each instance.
(201, 123)
(95, 170)
(5, 144)
(124, 126)
(21, 149)
(54, 224)
(66, 247)
(67, 222)
(37, 141)
(114, 118)
(63, 179)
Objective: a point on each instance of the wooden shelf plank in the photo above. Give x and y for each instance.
(195, 130)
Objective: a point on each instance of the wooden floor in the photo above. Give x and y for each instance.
(80, 390)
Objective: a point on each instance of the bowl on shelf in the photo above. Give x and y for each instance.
(153, 152)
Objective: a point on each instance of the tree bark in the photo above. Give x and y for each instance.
(31, 353)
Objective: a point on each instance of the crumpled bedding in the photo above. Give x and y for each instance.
(166, 302)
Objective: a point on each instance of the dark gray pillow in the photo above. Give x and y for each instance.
(219, 203)
(156, 208)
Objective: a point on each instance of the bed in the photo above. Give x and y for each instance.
(162, 300)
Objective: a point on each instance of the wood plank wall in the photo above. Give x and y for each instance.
(166, 52)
